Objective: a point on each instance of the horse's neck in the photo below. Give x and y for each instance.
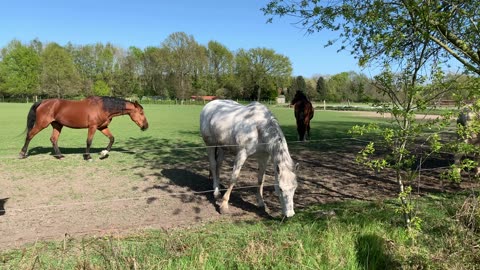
(281, 157)
(279, 150)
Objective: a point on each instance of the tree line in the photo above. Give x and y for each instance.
(177, 69)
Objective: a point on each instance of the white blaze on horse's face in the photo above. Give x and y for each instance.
(287, 184)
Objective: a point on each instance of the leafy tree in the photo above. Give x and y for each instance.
(85, 64)
(106, 61)
(321, 88)
(200, 81)
(379, 29)
(310, 90)
(59, 76)
(20, 69)
(338, 86)
(298, 84)
(101, 88)
(262, 72)
(156, 69)
(182, 61)
(220, 62)
(415, 37)
(128, 73)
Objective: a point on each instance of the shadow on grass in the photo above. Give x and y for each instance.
(371, 253)
(202, 186)
(39, 150)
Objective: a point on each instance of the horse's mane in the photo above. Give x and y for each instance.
(111, 104)
(276, 142)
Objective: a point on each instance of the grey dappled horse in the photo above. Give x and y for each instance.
(248, 130)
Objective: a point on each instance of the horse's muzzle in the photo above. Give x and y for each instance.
(144, 127)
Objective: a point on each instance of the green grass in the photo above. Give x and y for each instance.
(358, 235)
(347, 235)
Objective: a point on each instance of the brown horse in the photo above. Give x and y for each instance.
(94, 113)
(303, 113)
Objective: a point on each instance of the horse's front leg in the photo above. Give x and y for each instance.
(239, 160)
(91, 132)
(106, 132)
(57, 128)
(262, 167)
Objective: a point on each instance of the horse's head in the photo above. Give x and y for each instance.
(299, 96)
(287, 184)
(138, 116)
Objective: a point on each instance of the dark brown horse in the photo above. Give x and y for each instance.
(94, 113)
(303, 113)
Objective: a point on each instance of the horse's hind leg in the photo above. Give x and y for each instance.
(34, 131)
(106, 132)
(215, 156)
(91, 132)
(57, 128)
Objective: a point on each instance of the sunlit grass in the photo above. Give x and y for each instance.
(347, 235)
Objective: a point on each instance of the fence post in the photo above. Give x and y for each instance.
(324, 105)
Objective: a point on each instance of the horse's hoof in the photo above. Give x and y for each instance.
(217, 195)
(104, 154)
(224, 208)
(87, 157)
(59, 157)
(22, 156)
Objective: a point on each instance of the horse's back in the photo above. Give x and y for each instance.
(228, 122)
(303, 109)
(70, 113)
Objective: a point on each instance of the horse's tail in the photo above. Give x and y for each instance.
(32, 115)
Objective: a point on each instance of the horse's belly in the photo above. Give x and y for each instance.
(73, 120)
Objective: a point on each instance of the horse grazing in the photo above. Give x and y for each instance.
(94, 113)
(467, 121)
(248, 130)
(303, 113)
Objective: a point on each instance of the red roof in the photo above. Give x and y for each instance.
(206, 98)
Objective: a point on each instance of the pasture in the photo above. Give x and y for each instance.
(158, 179)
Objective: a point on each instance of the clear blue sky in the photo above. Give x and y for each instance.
(142, 23)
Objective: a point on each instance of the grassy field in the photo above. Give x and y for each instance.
(348, 235)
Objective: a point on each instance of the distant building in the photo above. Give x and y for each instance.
(281, 99)
(203, 98)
